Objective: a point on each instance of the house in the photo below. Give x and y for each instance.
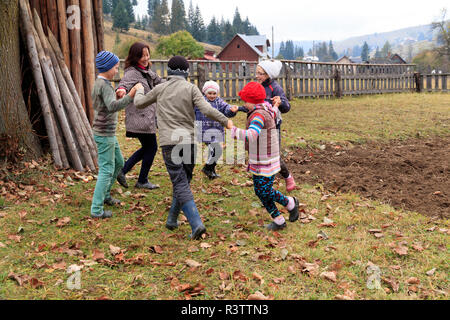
(209, 56)
(344, 60)
(245, 48)
(311, 59)
(391, 59)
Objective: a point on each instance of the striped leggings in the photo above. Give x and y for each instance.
(268, 195)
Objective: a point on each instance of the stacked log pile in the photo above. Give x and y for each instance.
(78, 27)
(68, 128)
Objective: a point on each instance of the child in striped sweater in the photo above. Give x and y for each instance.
(262, 144)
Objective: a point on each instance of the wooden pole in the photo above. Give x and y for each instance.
(55, 95)
(27, 34)
(63, 30)
(44, 13)
(75, 50)
(65, 71)
(89, 58)
(52, 12)
(98, 11)
(68, 103)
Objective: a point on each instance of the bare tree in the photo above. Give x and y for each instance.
(16, 133)
(443, 38)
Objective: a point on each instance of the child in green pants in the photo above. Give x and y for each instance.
(110, 159)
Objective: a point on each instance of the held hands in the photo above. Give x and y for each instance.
(234, 109)
(276, 101)
(132, 92)
(120, 93)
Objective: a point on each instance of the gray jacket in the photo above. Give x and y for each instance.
(177, 99)
(140, 120)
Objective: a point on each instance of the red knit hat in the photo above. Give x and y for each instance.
(253, 92)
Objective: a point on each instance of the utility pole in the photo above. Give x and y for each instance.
(273, 45)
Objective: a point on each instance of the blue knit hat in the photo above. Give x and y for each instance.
(105, 61)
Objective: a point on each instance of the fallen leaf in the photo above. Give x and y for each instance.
(36, 284)
(257, 296)
(224, 276)
(401, 250)
(331, 276)
(63, 222)
(192, 263)
(15, 238)
(311, 268)
(114, 250)
(205, 245)
(392, 282)
(431, 272)
(413, 280)
(156, 249)
(97, 255)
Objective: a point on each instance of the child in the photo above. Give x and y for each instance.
(261, 141)
(176, 99)
(110, 160)
(211, 132)
(266, 72)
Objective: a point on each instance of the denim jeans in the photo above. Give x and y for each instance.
(110, 162)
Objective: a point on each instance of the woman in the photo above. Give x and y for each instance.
(140, 124)
(266, 72)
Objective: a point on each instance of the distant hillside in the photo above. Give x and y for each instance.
(402, 41)
(133, 35)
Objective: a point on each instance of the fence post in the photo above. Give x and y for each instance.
(418, 82)
(201, 74)
(288, 81)
(337, 83)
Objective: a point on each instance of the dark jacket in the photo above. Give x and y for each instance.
(209, 130)
(273, 89)
(140, 120)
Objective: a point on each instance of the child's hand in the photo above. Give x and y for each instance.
(234, 109)
(120, 93)
(276, 101)
(132, 92)
(230, 124)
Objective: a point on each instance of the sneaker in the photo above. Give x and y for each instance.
(290, 184)
(293, 214)
(122, 179)
(275, 227)
(197, 234)
(112, 202)
(105, 214)
(147, 185)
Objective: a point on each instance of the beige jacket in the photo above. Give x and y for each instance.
(176, 100)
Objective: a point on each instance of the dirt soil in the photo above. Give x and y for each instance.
(413, 175)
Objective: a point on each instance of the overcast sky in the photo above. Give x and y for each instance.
(322, 19)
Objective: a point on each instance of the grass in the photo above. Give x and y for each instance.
(238, 257)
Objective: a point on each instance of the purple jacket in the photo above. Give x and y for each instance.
(273, 89)
(209, 130)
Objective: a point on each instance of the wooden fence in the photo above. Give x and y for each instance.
(311, 79)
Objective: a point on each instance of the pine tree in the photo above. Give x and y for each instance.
(178, 16)
(228, 33)
(365, 52)
(331, 51)
(198, 26)
(282, 50)
(190, 18)
(121, 19)
(299, 53)
(237, 22)
(378, 53)
(386, 50)
(151, 9)
(214, 35)
(107, 6)
(161, 19)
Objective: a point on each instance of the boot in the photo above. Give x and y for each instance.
(192, 215)
(293, 214)
(290, 183)
(208, 171)
(172, 218)
(213, 166)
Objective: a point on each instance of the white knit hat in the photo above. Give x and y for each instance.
(271, 67)
(210, 86)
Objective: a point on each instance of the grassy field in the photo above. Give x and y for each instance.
(336, 254)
